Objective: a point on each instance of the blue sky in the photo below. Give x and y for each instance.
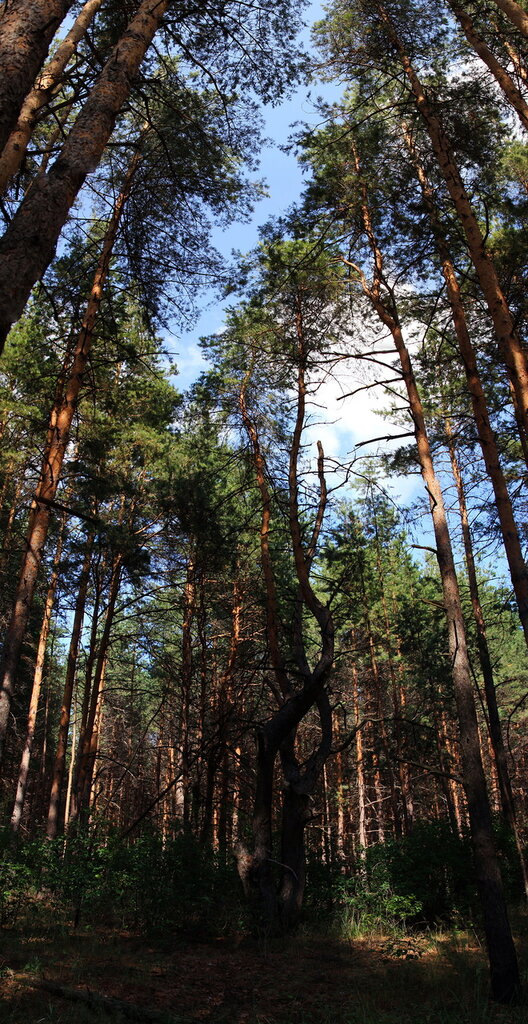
(283, 179)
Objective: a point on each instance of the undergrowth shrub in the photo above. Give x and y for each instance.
(423, 879)
(98, 877)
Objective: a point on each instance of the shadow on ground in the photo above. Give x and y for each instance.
(54, 975)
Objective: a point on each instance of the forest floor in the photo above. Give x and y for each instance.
(51, 973)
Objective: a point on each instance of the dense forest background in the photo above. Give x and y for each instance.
(245, 685)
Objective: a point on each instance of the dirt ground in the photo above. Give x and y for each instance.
(55, 975)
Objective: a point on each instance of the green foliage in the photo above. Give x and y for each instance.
(422, 880)
(97, 877)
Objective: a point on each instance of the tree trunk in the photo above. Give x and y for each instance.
(508, 339)
(56, 443)
(515, 13)
(296, 814)
(26, 31)
(495, 730)
(47, 82)
(487, 438)
(62, 743)
(506, 83)
(29, 243)
(505, 982)
(37, 684)
(89, 748)
(360, 769)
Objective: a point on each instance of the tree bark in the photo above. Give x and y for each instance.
(47, 82)
(62, 742)
(507, 337)
(515, 13)
(26, 31)
(505, 982)
(23, 773)
(56, 443)
(29, 244)
(510, 90)
(487, 439)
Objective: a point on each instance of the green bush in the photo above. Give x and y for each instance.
(423, 879)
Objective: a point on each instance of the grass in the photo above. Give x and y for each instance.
(311, 979)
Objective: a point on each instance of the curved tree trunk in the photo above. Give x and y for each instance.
(28, 245)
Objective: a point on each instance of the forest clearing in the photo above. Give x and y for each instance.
(263, 511)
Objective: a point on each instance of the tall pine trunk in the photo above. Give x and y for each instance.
(58, 435)
(71, 666)
(23, 773)
(486, 434)
(504, 969)
(508, 339)
(495, 729)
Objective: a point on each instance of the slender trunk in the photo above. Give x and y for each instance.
(62, 743)
(26, 31)
(487, 438)
(57, 133)
(506, 83)
(508, 339)
(71, 771)
(340, 800)
(16, 816)
(494, 723)
(89, 749)
(56, 443)
(501, 950)
(85, 709)
(360, 768)
(29, 243)
(447, 783)
(189, 609)
(47, 82)
(380, 712)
